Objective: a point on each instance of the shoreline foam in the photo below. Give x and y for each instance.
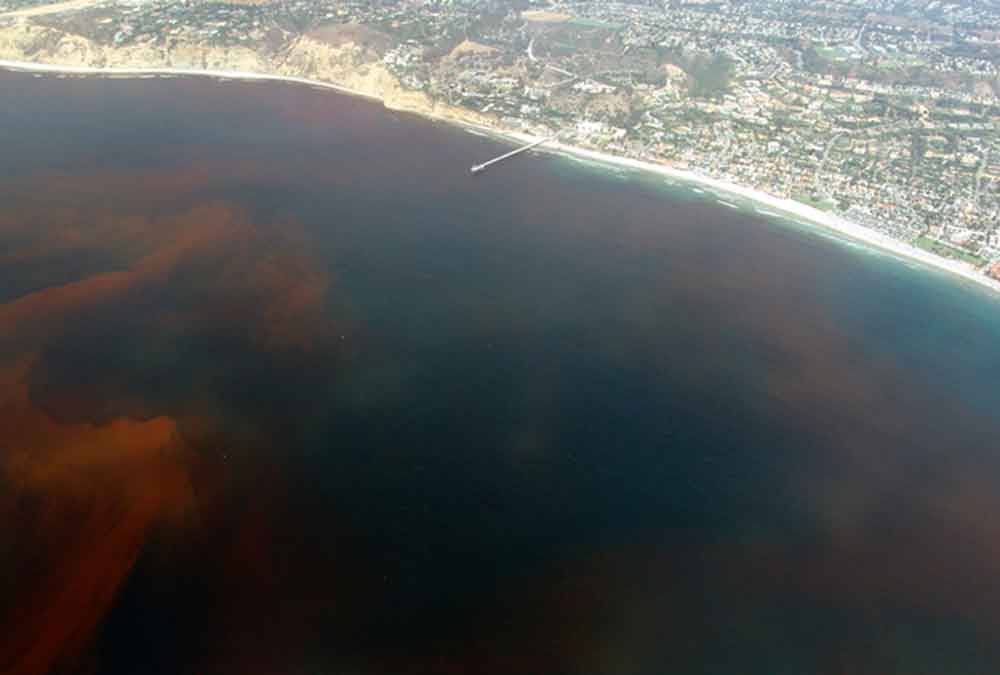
(787, 208)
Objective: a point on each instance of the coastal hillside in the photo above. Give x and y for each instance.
(348, 64)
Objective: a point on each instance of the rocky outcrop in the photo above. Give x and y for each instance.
(994, 270)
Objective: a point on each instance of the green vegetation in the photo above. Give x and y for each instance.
(710, 76)
(821, 203)
(900, 60)
(574, 37)
(831, 53)
(949, 251)
(593, 23)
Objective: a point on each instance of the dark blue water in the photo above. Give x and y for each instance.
(284, 389)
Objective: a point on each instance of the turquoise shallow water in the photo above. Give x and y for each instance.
(402, 420)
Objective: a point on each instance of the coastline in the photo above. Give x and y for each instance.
(27, 66)
(784, 208)
(779, 207)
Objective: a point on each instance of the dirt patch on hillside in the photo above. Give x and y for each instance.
(470, 47)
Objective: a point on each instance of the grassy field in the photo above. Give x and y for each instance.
(832, 53)
(593, 23)
(821, 204)
(948, 251)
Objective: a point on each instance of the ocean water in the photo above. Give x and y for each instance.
(284, 389)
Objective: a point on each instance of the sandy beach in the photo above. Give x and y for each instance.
(776, 206)
(786, 208)
(135, 72)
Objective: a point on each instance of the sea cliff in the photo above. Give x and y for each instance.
(348, 65)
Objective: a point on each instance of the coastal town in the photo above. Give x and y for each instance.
(883, 113)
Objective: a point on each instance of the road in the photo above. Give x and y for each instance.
(979, 174)
(56, 8)
(822, 162)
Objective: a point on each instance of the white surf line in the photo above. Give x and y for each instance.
(814, 217)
